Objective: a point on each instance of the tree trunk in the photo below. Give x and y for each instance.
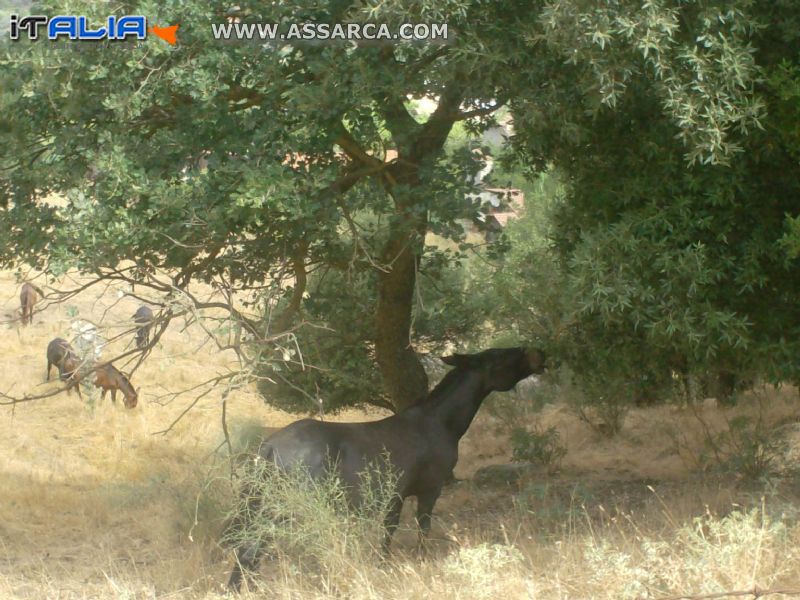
(404, 378)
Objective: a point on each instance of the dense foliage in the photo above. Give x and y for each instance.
(263, 168)
(649, 272)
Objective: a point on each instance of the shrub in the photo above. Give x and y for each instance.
(538, 446)
(477, 568)
(747, 448)
(601, 403)
(312, 522)
(743, 550)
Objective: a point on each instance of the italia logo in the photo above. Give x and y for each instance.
(78, 28)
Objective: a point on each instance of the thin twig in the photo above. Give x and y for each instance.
(755, 593)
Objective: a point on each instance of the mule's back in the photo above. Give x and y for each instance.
(351, 448)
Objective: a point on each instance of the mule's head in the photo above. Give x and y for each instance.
(500, 368)
(130, 395)
(120, 381)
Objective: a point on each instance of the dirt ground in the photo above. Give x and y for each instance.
(96, 502)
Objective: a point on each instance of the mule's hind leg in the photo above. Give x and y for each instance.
(247, 552)
(247, 558)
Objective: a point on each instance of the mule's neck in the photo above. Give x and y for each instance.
(456, 400)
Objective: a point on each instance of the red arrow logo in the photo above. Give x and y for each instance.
(168, 34)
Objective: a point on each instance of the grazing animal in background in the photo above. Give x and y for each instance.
(109, 377)
(143, 318)
(420, 443)
(27, 299)
(61, 354)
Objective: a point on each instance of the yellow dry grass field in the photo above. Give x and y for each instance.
(95, 503)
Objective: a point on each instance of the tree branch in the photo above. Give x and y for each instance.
(399, 121)
(434, 132)
(428, 59)
(183, 278)
(479, 112)
(754, 593)
(283, 320)
(352, 148)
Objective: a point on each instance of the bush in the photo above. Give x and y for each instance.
(537, 446)
(311, 524)
(329, 364)
(476, 569)
(601, 403)
(743, 550)
(748, 448)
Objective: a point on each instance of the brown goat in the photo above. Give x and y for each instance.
(27, 299)
(110, 378)
(61, 354)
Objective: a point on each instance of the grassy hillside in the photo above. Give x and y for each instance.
(96, 504)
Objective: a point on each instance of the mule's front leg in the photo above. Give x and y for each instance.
(425, 503)
(390, 523)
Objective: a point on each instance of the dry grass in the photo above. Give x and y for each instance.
(94, 505)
